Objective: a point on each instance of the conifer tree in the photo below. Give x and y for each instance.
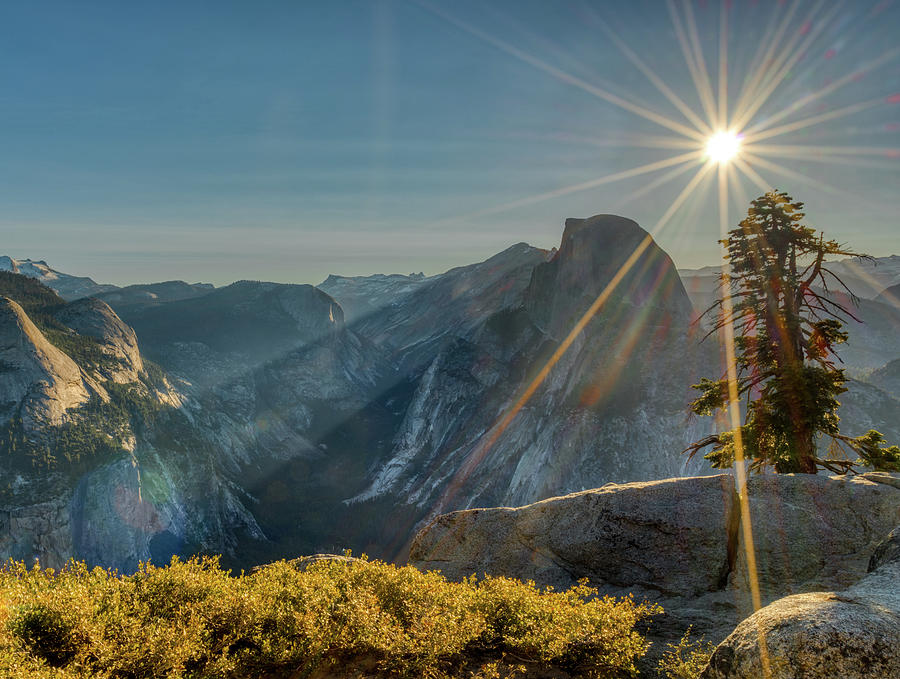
(786, 325)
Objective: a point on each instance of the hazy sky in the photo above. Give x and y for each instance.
(285, 140)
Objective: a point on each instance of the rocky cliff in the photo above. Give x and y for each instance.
(337, 434)
(363, 296)
(93, 318)
(678, 542)
(38, 383)
(102, 457)
(258, 421)
(607, 408)
(209, 338)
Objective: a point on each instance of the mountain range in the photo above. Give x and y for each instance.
(263, 420)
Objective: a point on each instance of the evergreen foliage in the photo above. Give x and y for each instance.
(786, 326)
(358, 618)
(96, 433)
(41, 304)
(30, 294)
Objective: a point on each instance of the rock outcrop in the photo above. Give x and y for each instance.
(37, 381)
(591, 253)
(813, 532)
(851, 634)
(887, 551)
(94, 318)
(672, 536)
(40, 530)
(677, 542)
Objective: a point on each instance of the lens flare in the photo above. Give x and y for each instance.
(722, 147)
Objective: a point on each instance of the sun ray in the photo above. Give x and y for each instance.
(787, 149)
(765, 50)
(841, 160)
(705, 98)
(561, 75)
(789, 48)
(798, 177)
(874, 285)
(767, 68)
(566, 190)
(828, 89)
(634, 141)
(887, 295)
(752, 175)
(813, 120)
(560, 52)
(656, 183)
(762, 96)
(656, 80)
(734, 411)
(482, 448)
(694, 37)
(737, 188)
(801, 178)
(723, 65)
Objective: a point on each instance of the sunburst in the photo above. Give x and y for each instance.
(739, 143)
(722, 147)
(739, 138)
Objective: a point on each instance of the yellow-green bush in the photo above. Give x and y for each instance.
(686, 659)
(192, 619)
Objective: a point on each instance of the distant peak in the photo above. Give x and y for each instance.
(599, 223)
(600, 232)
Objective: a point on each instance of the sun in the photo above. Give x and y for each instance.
(722, 147)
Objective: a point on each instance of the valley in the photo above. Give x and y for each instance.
(262, 420)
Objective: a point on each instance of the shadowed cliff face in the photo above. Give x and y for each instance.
(210, 338)
(590, 255)
(611, 409)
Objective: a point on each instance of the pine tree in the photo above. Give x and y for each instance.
(786, 326)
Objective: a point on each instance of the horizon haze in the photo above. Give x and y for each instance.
(285, 142)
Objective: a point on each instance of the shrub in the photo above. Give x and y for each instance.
(687, 658)
(44, 632)
(192, 619)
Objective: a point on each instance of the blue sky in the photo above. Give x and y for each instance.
(284, 141)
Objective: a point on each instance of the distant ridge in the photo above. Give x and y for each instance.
(67, 286)
(152, 294)
(867, 279)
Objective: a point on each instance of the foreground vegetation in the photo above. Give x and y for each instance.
(357, 618)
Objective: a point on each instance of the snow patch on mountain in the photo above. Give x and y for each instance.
(69, 287)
